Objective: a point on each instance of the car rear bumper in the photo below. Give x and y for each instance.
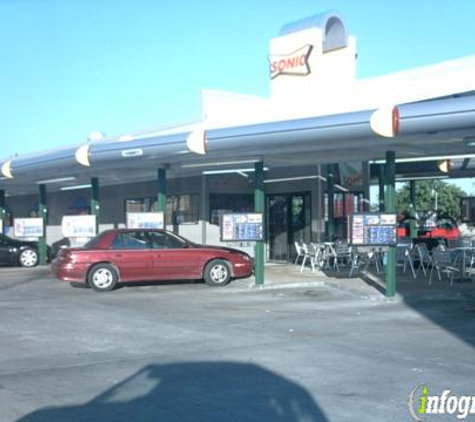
(68, 272)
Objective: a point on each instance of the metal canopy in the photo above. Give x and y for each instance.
(438, 128)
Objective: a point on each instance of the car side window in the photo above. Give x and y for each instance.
(165, 241)
(130, 240)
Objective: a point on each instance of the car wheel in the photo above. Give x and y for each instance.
(217, 273)
(28, 258)
(103, 278)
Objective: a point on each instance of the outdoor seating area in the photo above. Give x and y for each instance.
(445, 262)
(338, 257)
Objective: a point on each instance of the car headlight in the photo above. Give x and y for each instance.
(246, 257)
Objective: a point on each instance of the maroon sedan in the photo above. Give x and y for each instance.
(125, 255)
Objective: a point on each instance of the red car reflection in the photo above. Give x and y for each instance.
(125, 255)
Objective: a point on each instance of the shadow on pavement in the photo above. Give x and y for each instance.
(450, 307)
(33, 275)
(198, 391)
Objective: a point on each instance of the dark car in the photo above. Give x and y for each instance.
(18, 252)
(126, 255)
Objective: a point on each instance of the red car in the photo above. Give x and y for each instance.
(125, 255)
(444, 228)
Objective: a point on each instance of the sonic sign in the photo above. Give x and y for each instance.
(296, 63)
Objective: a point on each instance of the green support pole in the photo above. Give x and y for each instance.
(412, 222)
(331, 201)
(390, 205)
(95, 206)
(43, 213)
(3, 211)
(259, 207)
(381, 188)
(366, 186)
(162, 194)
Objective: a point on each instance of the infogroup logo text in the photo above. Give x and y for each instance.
(421, 403)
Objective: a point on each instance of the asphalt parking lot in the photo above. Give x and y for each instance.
(187, 352)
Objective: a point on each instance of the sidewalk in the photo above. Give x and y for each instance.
(363, 285)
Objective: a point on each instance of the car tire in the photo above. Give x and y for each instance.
(28, 258)
(103, 278)
(217, 273)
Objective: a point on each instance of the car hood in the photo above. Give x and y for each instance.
(22, 243)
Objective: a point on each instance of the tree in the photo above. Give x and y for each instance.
(429, 194)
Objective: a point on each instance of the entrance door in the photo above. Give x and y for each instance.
(288, 220)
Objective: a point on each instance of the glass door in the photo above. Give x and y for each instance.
(288, 220)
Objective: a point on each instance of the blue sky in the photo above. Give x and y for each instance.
(70, 67)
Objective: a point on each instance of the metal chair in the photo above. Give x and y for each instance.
(330, 256)
(319, 254)
(300, 252)
(442, 262)
(364, 256)
(342, 254)
(421, 252)
(308, 255)
(404, 257)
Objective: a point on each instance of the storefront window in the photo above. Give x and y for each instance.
(220, 204)
(344, 205)
(137, 205)
(181, 209)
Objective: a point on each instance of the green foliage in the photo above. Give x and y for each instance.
(427, 193)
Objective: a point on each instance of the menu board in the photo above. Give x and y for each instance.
(241, 227)
(78, 226)
(28, 227)
(374, 229)
(145, 220)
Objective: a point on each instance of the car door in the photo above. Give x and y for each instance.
(6, 252)
(131, 252)
(173, 259)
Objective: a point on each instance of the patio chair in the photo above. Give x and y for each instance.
(404, 257)
(422, 254)
(442, 262)
(319, 254)
(465, 257)
(343, 253)
(330, 256)
(364, 257)
(299, 250)
(308, 255)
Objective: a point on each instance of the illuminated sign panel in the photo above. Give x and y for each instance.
(80, 226)
(145, 220)
(375, 229)
(28, 227)
(241, 227)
